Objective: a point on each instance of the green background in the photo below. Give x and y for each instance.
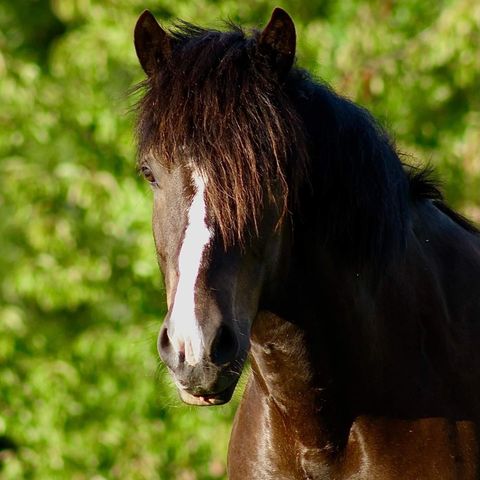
(82, 394)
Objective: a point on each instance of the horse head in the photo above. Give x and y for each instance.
(215, 134)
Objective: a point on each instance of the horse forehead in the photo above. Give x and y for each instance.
(182, 196)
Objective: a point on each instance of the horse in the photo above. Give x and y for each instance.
(289, 231)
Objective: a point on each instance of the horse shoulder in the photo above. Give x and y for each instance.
(426, 448)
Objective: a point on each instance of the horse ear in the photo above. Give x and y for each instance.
(152, 43)
(278, 40)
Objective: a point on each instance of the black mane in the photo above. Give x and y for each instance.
(361, 191)
(423, 186)
(253, 133)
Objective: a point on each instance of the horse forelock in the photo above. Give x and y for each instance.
(215, 102)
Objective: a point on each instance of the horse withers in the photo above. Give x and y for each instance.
(286, 226)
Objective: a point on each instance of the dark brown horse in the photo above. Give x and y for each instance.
(286, 225)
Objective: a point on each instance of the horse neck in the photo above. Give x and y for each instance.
(364, 339)
(284, 372)
(292, 342)
(304, 353)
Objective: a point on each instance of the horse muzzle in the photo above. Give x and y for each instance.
(206, 384)
(207, 400)
(212, 378)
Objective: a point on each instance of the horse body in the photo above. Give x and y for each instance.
(286, 225)
(408, 408)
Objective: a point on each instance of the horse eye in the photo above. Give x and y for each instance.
(148, 174)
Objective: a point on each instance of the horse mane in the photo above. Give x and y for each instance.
(216, 105)
(424, 186)
(360, 187)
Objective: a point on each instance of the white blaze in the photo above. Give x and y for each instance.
(184, 327)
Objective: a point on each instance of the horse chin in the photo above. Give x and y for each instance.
(208, 400)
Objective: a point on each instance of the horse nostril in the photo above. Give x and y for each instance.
(173, 358)
(224, 347)
(164, 347)
(164, 340)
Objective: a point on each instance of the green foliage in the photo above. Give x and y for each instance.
(81, 298)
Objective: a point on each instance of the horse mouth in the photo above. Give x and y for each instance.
(208, 400)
